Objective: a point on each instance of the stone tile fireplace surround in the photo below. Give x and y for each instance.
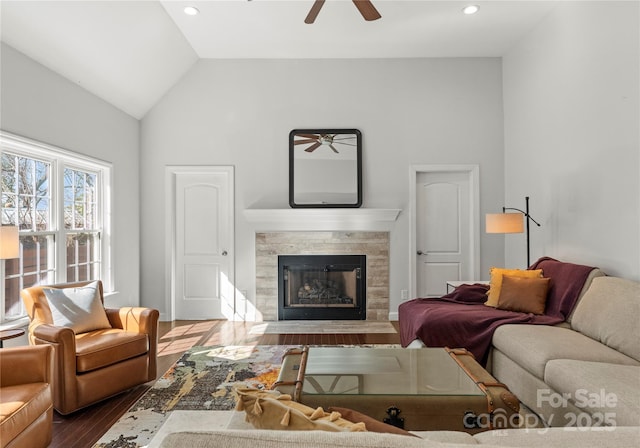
(317, 231)
(373, 244)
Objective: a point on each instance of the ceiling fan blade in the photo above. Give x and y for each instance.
(305, 141)
(313, 136)
(313, 13)
(313, 147)
(366, 8)
(334, 149)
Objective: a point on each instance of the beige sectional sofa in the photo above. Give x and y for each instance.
(556, 437)
(585, 372)
(229, 429)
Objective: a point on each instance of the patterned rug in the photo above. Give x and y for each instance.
(202, 379)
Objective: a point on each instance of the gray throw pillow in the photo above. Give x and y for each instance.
(78, 308)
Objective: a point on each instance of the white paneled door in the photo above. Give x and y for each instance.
(445, 230)
(203, 286)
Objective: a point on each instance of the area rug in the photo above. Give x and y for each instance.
(322, 327)
(202, 379)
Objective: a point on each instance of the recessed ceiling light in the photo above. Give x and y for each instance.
(471, 9)
(191, 10)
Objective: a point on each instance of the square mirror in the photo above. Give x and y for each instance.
(325, 168)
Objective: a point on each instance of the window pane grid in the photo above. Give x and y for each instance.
(35, 265)
(83, 256)
(25, 192)
(29, 199)
(80, 199)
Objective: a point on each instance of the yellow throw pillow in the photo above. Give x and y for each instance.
(495, 282)
(524, 295)
(273, 410)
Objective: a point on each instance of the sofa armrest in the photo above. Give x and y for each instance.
(26, 364)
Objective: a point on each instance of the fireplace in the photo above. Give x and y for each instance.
(322, 287)
(374, 245)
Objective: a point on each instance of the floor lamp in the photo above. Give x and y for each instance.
(9, 248)
(511, 223)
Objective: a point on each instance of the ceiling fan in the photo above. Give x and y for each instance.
(318, 140)
(366, 8)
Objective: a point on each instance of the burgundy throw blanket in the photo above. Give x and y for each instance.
(460, 319)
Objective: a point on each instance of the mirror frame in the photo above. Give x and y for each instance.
(357, 173)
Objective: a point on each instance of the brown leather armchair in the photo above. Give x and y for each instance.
(26, 402)
(92, 366)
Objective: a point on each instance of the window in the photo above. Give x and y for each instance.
(56, 198)
(80, 222)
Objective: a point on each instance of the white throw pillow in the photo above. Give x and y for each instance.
(78, 308)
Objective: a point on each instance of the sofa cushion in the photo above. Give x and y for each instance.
(593, 274)
(532, 346)
(609, 312)
(79, 308)
(297, 439)
(611, 390)
(539, 437)
(457, 437)
(101, 348)
(273, 410)
(561, 437)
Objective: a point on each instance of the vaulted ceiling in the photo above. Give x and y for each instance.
(130, 53)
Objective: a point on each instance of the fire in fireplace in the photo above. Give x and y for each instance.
(322, 287)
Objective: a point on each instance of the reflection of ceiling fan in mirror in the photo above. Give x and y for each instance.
(366, 8)
(317, 140)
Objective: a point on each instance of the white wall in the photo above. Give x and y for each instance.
(41, 105)
(572, 136)
(240, 112)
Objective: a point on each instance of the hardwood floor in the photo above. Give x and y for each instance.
(85, 427)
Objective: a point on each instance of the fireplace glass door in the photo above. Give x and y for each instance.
(322, 287)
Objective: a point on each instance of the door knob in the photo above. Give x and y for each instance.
(420, 252)
(224, 253)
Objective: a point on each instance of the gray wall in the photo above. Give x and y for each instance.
(240, 112)
(572, 144)
(41, 105)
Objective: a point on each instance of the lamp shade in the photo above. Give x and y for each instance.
(9, 242)
(504, 223)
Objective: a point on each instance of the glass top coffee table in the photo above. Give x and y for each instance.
(418, 389)
(384, 371)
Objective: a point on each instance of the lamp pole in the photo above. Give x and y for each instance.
(528, 217)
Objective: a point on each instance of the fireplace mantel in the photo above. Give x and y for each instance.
(322, 218)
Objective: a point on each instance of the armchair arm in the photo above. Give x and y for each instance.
(63, 342)
(140, 320)
(54, 335)
(136, 319)
(26, 364)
